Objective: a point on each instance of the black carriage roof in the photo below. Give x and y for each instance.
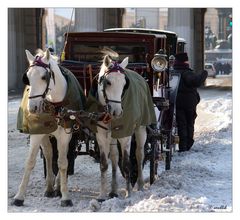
(121, 34)
(141, 30)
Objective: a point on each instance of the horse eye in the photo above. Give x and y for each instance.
(43, 77)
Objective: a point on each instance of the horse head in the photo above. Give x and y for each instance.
(112, 81)
(40, 76)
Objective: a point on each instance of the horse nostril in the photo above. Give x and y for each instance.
(35, 108)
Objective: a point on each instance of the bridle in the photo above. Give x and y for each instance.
(115, 67)
(48, 74)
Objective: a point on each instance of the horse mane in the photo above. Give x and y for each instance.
(39, 52)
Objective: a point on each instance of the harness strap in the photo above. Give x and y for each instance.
(110, 100)
(102, 127)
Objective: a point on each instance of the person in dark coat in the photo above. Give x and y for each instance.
(187, 100)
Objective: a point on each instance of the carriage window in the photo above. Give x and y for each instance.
(92, 52)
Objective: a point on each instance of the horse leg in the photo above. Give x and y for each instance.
(114, 156)
(141, 136)
(104, 140)
(57, 188)
(47, 151)
(62, 144)
(35, 141)
(126, 164)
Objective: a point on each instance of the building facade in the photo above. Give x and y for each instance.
(25, 31)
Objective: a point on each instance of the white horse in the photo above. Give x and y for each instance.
(113, 82)
(46, 82)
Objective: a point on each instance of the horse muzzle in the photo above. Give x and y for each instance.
(35, 106)
(116, 112)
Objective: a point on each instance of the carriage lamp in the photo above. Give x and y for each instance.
(171, 62)
(159, 62)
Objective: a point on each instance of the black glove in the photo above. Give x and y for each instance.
(205, 73)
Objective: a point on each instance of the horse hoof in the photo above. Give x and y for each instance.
(66, 203)
(57, 193)
(17, 202)
(49, 194)
(112, 195)
(101, 200)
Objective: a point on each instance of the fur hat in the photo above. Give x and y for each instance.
(181, 57)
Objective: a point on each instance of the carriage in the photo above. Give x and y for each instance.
(150, 54)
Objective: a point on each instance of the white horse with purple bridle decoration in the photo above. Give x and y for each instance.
(46, 82)
(126, 96)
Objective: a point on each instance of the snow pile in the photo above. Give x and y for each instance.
(200, 180)
(215, 114)
(175, 203)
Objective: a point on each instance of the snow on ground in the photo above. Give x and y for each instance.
(199, 180)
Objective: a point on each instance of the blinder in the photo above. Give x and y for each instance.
(48, 76)
(126, 85)
(104, 81)
(25, 79)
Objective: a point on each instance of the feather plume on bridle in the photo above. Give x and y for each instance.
(110, 53)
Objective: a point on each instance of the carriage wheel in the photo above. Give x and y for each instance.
(133, 160)
(168, 156)
(72, 154)
(152, 171)
(120, 159)
(168, 160)
(153, 162)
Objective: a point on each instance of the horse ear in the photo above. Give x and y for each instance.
(124, 63)
(106, 60)
(46, 56)
(30, 57)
